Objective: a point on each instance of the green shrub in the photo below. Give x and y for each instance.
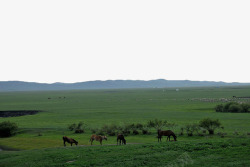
(190, 128)
(233, 107)
(135, 132)
(219, 108)
(210, 125)
(157, 124)
(78, 128)
(72, 127)
(110, 130)
(8, 129)
(182, 131)
(245, 107)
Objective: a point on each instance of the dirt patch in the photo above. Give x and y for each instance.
(17, 113)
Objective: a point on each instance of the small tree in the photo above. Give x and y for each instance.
(235, 108)
(72, 127)
(210, 125)
(245, 107)
(78, 128)
(219, 108)
(8, 129)
(190, 128)
(157, 124)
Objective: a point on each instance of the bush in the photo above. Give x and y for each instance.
(78, 128)
(111, 130)
(79, 131)
(135, 132)
(219, 108)
(125, 129)
(227, 106)
(182, 131)
(145, 131)
(190, 128)
(233, 107)
(157, 124)
(210, 125)
(72, 127)
(245, 107)
(8, 129)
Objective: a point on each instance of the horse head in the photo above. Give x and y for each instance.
(104, 137)
(124, 141)
(175, 138)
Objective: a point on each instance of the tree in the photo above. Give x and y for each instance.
(8, 128)
(210, 125)
(78, 128)
(219, 108)
(235, 108)
(157, 124)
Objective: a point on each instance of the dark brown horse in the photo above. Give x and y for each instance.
(167, 133)
(121, 138)
(97, 138)
(69, 140)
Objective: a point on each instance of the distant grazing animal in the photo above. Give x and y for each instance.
(69, 140)
(97, 138)
(121, 138)
(167, 133)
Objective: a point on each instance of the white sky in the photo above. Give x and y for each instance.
(73, 41)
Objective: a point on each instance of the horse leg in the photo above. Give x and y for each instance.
(117, 141)
(160, 138)
(71, 144)
(64, 143)
(91, 141)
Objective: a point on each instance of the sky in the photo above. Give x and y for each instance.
(51, 41)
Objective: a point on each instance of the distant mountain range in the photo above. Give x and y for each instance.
(110, 84)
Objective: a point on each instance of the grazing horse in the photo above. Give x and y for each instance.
(69, 140)
(97, 138)
(167, 133)
(121, 138)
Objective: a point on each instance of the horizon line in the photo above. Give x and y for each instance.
(120, 80)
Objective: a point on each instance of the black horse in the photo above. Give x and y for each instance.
(121, 138)
(167, 133)
(69, 140)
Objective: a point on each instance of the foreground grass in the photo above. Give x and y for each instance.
(222, 152)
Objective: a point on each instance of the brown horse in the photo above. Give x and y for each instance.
(121, 138)
(167, 133)
(97, 138)
(69, 140)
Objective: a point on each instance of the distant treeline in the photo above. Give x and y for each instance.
(233, 107)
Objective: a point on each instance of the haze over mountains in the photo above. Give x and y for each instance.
(109, 84)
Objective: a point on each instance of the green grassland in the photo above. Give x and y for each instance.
(224, 152)
(100, 107)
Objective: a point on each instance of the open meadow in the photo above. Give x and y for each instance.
(39, 138)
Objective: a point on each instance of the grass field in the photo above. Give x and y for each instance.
(99, 107)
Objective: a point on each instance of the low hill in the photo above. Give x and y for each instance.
(110, 84)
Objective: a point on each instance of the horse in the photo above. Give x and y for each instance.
(97, 138)
(167, 133)
(69, 140)
(121, 138)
